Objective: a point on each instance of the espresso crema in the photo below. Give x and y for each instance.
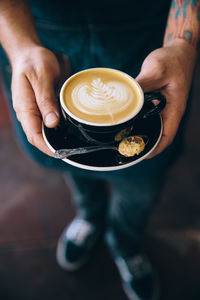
(102, 96)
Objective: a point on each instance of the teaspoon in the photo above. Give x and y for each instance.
(64, 153)
(125, 148)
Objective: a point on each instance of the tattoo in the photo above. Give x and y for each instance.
(187, 36)
(183, 21)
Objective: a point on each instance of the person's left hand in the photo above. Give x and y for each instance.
(169, 70)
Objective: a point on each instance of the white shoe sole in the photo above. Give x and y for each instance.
(62, 262)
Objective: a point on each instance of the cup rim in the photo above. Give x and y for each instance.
(68, 112)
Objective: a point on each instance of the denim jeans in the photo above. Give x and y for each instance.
(126, 205)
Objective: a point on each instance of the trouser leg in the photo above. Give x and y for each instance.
(130, 207)
(90, 197)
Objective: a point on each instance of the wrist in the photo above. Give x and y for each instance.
(17, 27)
(183, 47)
(184, 55)
(183, 22)
(22, 51)
(180, 42)
(17, 43)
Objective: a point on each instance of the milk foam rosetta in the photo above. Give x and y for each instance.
(101, 99)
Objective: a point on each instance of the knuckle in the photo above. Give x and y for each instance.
(33, 138)
(44, 70)
(156, 66)
(16, 106)
(32, 74)
(18, 115)
(19, 112)
(47, 104)
(41, 73)
(45, 101)
(30, 139)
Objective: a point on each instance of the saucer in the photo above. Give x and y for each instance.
(65, 135)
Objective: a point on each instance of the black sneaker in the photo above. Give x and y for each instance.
(76, 244)
(138, 279)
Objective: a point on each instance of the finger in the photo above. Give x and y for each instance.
(171, 119)
(32, 125)
(27, 112)
(46, 100)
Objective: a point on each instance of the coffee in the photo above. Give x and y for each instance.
(102, 96)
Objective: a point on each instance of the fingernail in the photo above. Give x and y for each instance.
(51, 119)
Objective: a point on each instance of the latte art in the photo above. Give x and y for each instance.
(102, 96)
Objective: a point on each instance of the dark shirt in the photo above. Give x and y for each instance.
(63, 12)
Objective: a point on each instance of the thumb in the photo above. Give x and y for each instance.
(151, 76)
(47, 102)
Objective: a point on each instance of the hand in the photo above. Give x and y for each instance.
(169, 70)
(35, 72)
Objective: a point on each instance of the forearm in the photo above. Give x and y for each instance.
(17, 29)
(183, 22)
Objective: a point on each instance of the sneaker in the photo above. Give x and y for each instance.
(138, 279)
(76, 244)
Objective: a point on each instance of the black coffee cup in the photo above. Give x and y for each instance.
(104, 133)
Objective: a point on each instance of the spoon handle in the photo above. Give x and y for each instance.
(64, 153)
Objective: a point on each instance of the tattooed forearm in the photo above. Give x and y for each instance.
(183, 21)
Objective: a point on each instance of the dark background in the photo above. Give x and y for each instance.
(35, 205)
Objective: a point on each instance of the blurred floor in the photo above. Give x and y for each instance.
(35, 206)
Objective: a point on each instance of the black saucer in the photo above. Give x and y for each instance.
(65, 135)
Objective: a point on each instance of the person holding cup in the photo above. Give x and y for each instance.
(35, 35)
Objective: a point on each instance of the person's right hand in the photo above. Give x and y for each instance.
(35, 72)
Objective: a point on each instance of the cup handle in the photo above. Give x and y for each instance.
(148, 97)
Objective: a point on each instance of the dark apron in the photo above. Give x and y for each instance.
(121, 44)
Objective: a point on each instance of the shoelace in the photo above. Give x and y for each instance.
(79, 230)
(137, 267)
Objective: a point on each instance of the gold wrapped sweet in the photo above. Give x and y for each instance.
(132, 145)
